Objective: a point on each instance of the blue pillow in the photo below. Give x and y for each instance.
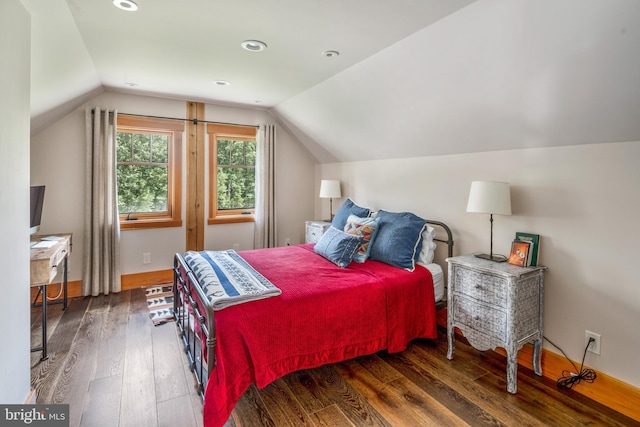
(399, 239)
(337, 246)
(367, 229)
(348, 208)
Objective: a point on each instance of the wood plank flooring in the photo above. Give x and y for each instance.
(114, 368)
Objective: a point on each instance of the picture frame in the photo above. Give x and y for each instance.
(520, 253)
(535, 245)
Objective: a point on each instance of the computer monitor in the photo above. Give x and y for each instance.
(37, 200)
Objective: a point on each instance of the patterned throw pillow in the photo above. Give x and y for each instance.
(367, 229)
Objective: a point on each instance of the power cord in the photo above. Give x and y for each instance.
(57, 296)
(568, 378)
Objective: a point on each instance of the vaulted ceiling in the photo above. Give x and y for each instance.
(412, 78)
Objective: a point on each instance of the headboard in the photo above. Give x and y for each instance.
(447, 230)
(449, 242)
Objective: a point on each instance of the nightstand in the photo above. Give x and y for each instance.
(313, 230)
(496, 305)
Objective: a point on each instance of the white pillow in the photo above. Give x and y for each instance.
(428, 246)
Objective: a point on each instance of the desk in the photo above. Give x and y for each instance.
(46, 256)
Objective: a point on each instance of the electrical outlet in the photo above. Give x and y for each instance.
(594, 347)
(146, 258)
(287, 241)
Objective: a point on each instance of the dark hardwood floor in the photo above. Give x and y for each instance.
(114, 368)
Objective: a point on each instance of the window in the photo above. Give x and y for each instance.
(232, 173)
(149, 172)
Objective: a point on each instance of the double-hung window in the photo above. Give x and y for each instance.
(232, 173)
(149, 172)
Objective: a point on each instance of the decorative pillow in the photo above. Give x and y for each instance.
(428, 246)
(399, 239)
(348, 208)
(337, 246)
(366, 228)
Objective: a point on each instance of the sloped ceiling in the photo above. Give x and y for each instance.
(414, 77)
(62, 73)
(177, 49)
(495, 75)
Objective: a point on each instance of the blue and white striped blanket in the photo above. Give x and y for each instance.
(227, 279)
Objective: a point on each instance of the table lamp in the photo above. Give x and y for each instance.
(330, 189)
(490, 197)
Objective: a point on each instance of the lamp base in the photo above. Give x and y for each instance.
(494, 258)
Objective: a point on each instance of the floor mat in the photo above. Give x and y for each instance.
(160, 303)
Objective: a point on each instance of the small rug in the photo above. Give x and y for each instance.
(160, 303)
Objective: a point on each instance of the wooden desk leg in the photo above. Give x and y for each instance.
(45, 356)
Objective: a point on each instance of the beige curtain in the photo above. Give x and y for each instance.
(265, 216)
(101, 258)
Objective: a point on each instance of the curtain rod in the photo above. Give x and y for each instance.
(194, 121)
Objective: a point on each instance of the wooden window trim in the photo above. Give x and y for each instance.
(174, 202)
(215, 131)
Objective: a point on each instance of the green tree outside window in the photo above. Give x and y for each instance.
(142, 172)
(236, 174)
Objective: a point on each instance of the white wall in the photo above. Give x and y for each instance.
(15, 48)
(57, 160)
(582, 200)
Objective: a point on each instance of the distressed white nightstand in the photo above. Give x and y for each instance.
(496, 305)
(313, 230)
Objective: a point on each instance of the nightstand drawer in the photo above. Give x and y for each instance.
(313, 234)
(314, 230)
(487, 320)
(484, 287)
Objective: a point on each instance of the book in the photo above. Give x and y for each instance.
(520, 253)
(535, 245)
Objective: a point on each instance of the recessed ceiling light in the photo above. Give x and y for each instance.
(253, 45)
(222, 83)
(131, 84)
(330, 53)
(128, 5)
(258, 101)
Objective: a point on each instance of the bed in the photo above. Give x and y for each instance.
(321, 312)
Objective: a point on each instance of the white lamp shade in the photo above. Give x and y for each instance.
(489, 197)
(330, 189)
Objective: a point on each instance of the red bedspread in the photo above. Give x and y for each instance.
(324, 315)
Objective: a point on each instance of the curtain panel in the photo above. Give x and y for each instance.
(101, 257)
(265, 211)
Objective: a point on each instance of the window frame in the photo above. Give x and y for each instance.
(224, 131)
(174, 129)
